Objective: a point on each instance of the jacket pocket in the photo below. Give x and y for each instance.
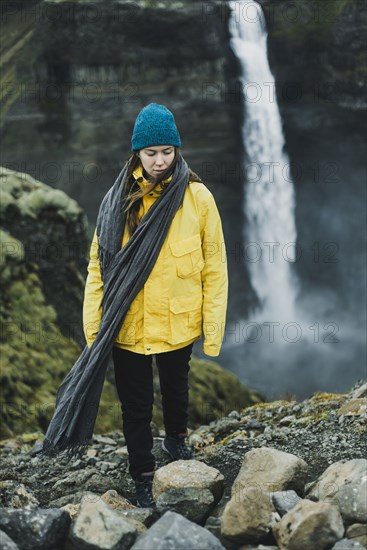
(188, 256)
(127, 334)
(185, 317)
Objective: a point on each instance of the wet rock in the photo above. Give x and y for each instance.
(174, 531)
(98, 526)
(32, 528)
(345, 485)
(181, 474)
(284, 501)
(250, 514)
(269, 469)
(194, 503)
(307, 524)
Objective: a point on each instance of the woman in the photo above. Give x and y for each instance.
(187, 287)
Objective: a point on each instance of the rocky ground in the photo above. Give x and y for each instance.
(305, 460)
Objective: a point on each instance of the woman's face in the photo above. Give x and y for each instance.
(157, 158)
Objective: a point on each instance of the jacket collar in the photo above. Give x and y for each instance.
(143, 182)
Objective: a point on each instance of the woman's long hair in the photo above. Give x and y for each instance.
(134, 194)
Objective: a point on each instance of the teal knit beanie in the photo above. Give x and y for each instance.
(154, 125)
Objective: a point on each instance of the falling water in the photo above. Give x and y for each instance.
(269, 232)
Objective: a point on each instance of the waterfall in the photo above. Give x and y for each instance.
(269, 230)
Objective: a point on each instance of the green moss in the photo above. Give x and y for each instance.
(6, 199)
(33, 203)
(228, 438)
(10, 249)
(314, 418)
(324, 396)
(268, 405)
(323, 415)
(31, 197)
(35, 355)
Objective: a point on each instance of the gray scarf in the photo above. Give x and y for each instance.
(124, 272)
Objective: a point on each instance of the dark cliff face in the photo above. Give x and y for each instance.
(316, 50)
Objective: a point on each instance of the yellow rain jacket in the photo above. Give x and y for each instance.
(187, 289)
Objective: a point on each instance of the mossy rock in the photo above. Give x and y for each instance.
(51, 233)
(35, 355)
(11, 250)
(29, 197)
(320, 396)
(270, 405)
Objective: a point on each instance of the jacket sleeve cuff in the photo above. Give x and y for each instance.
(211, 349)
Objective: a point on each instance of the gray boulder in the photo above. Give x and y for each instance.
(32, 528)
(191, 502)
(98, 526)
(174, 531)
(6, 542)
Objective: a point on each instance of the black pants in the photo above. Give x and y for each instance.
(134, 384)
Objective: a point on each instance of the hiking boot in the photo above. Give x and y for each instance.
(175, 446)
(143, 489)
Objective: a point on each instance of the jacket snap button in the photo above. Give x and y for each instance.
(148, 348)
